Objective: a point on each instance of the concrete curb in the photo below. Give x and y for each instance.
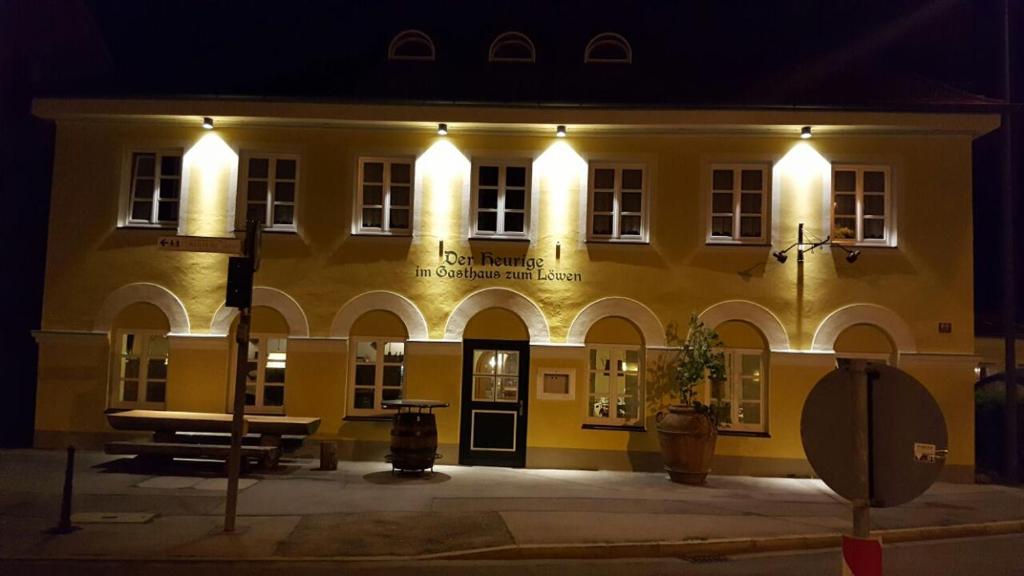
(662, 549)
(728, 546)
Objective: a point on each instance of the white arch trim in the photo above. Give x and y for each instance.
(154, 294)
(834, 324)
(640, 315)
(752, 312)
(298, 325)
(407, 312)
(510, 300)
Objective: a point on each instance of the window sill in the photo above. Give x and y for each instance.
(612, 241)
(280, 231)
(738, 244)
(522, 239)
(743, 433)
(382, 234)
(153, 227)
(368, 418)
(858, 245)
(621, 428)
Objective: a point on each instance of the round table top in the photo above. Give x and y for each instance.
(414, 404)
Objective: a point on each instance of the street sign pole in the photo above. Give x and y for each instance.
(861, 449)
(251, 255)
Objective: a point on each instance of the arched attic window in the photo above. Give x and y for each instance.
(512, 47)
(608, 47)
(411, 45)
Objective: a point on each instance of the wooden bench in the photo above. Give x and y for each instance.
(166, 426)
(266, 456)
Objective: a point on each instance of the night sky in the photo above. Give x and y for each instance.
(896, 54)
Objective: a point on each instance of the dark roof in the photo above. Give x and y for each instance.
(725, 53)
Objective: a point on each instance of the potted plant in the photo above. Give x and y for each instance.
(687, 431)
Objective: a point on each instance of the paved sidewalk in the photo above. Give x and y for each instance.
(362, 510)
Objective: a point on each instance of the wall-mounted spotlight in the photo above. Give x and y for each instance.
(208, 123)
(805, 133)
(442, 129)
(560, 131)
(802, 247)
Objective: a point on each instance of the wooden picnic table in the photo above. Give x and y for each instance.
(169, 421)
(165, 426)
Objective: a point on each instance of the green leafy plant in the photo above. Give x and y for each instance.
(700, 357)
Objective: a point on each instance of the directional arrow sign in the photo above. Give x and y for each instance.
(201, 244)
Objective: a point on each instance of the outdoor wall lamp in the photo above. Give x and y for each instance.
(560, 131)
(801, 247)
(208, 123)
(442, 129)
(805, 133)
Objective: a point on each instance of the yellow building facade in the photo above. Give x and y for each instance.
(531, 281)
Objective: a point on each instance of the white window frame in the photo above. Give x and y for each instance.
(608, 38)
(502, 166)
(270, 201)
(411, 37)
(734, 382)
(616, 212)
(612, 387)
(378, 378)
(889, 225)
(115, 374)
(261, 374)
(158, 155)
(736, 215)
(513, 38)
(385, 228)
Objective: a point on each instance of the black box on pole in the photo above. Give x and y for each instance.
(239, 293)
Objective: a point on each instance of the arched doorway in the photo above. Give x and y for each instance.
(495, 389)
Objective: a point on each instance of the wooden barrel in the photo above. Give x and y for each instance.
(413, 441)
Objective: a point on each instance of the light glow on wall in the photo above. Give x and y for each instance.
(560, 174)
(443, 174)
(804, 181)
(211, 166)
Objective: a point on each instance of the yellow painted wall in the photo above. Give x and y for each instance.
(927, 279)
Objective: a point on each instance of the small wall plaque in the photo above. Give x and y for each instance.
(945, 327)
(556, 384)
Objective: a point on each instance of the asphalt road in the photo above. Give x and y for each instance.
(962, 557)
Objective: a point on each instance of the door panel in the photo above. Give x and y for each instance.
(495, 385)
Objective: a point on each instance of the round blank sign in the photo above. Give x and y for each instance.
(907, 435)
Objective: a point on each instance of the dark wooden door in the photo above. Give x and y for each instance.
(495, 395)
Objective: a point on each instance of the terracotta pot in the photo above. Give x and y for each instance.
(687, 440)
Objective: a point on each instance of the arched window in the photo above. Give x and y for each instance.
(512, 47)
(608, 47)
(411, 45)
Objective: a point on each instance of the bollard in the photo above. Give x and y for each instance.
(329, 455)
(64, 525)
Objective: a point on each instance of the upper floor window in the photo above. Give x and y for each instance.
(378, 373)
(155, 189)
(140, 380)
(617, 203)
(862, 205)
(269, 187)
(512, 47)
(608, 47)
(411, 45)
(266, 361)
(384, 196)
(739, 203)
(739, 401)
(501, 199)
(614, 385)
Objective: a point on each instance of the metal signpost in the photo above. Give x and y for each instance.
(876, 437)
(239, 295)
